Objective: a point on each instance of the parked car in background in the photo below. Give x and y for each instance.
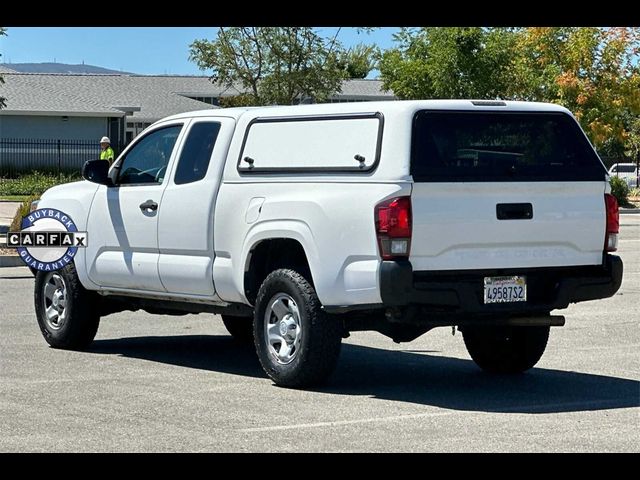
(627, 171)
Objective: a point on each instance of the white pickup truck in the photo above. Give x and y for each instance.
(300, 224)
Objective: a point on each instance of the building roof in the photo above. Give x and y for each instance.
(101, 95)
(363, 89)
(156, 96)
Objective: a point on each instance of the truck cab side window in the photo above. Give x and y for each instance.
(196, 153)
(147, 161)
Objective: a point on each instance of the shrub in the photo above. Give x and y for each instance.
(620, 190)
(634, 192)
(34, 183)
(23, 211)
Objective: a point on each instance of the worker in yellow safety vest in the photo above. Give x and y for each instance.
(107, 152)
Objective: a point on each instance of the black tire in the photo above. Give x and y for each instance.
(506, 349)
(240, 328)
(320, 339)
(81, 311)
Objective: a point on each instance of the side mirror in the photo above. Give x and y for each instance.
(97, 171)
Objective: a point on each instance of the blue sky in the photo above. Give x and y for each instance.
(144, 50)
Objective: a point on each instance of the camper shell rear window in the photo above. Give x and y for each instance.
(463, 146)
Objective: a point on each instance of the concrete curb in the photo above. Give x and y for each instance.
(11, 261)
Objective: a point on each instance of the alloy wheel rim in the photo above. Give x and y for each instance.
(55, 301)
(282, 328)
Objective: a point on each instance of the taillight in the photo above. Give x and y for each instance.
(393, 227)
(613, 223)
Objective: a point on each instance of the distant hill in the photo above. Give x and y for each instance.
(60, 68)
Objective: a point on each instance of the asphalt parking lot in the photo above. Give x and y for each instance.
(154, 383)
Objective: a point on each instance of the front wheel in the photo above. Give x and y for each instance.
(298, 344)
(506, 349)
(68, 314)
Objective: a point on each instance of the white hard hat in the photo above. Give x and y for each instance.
(105, 140)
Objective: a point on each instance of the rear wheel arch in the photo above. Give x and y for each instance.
(271, 254)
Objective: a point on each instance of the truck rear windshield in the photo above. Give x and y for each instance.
(452, 146)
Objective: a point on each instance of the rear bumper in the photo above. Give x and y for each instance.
(462, 291)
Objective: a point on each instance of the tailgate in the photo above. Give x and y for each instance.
(456, 226)
(504, 189)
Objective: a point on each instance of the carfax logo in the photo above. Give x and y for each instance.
(48, 241)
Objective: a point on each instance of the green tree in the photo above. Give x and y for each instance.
(359, 60)
(275, 65)
(449, 62)
(3, 31)
(594, 72)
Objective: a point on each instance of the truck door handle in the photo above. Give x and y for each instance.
(514, 211)
(149, 205)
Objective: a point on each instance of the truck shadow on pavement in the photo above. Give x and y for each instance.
(404, 376)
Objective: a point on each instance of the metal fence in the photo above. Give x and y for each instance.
(19, 156)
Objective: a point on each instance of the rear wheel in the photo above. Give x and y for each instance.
(68, 314)
(298, 344)
(506, 349)
(240, 328)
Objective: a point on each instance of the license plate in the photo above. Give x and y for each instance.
(505, 289)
